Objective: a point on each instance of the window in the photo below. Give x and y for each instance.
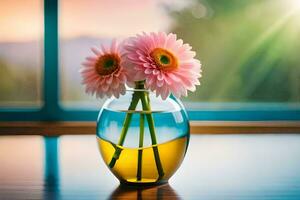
(249, 52)
(21, 36)
(100, 21)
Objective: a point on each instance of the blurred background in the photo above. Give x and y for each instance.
(249, 49)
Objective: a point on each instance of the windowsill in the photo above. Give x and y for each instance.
(197, 127)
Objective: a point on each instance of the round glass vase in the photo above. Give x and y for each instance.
(143, 138)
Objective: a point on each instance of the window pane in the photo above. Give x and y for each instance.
(249, 49)
(21, 32)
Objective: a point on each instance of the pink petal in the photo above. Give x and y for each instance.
(159, 83)
(104, 49)
(164, 93)
(173, 77)
(160, 76)
(109, 80)
(155, 71)
(114, 46)
(104, 87)
(88, 64)
(92, 59)
(115, 84)
(96, 51)
(148, 71)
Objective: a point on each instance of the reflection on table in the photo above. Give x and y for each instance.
(216, 167)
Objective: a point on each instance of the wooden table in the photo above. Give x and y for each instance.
(216, 167)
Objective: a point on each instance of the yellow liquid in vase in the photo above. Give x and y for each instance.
(171, 155)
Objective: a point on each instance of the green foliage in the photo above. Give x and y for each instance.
(247, 49)
(18, 84)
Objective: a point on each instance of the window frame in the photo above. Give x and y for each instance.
(51, 109)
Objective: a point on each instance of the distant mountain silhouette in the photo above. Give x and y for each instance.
(72, 53)
(30, 54)
(23, 54)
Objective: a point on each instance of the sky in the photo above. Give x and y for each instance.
(23, 20)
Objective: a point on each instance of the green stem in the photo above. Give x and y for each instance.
(132, 106)
(140, 151)
(146, 107)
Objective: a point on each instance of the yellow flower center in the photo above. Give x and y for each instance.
(107, 64)
(164, 59)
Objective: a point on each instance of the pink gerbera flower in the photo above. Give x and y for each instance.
(165, 63)
(104, 73)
